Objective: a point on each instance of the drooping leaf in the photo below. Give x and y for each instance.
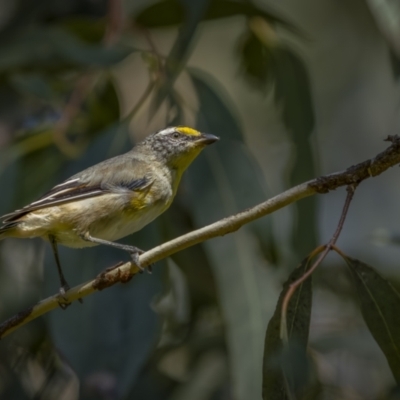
(220, 178)
(263, 64)
(287, 366)
(194, 11)
(224, 120)
(387, 17)
(380, 305)
(256, 61)
(293, 94)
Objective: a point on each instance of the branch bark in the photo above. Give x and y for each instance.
(124, 272)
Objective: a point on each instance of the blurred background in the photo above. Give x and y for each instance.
(295, 89)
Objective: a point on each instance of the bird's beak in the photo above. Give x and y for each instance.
(207, 138)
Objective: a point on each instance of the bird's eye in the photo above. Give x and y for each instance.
(176, 135)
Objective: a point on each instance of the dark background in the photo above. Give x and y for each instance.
(295, 89)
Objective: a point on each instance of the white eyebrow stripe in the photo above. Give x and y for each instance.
(67, 182)
(166, 131)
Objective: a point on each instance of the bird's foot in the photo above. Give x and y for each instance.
(63, 302)
(135, 253)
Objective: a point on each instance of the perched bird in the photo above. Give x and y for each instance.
(112, 199)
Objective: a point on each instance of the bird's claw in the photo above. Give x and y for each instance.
(63, 302)
(135, 260)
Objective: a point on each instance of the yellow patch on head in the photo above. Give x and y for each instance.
(185, 130)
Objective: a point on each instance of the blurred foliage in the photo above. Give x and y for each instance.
(197, 328)
(379, 302)
(285, 365)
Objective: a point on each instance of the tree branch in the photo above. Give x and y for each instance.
(124, 272)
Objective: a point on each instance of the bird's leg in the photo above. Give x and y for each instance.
(64, 284)
(134, 252)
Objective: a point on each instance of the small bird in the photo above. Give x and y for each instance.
(112, 199)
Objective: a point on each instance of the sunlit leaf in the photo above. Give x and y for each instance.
(380, 305)
(220, 178)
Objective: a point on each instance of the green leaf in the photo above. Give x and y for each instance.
(293, 95)
(380, 305)
(220, 178)
(289, 363)
(256, 61)
(177, 57)
(213, 97)
(387, 17)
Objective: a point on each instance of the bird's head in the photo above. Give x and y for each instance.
(179, 146)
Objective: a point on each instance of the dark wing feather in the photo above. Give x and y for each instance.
(123, 172)
(74, 190)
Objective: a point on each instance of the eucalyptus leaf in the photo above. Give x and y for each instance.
(286, 366)
(220, 178)
(176, 59)
(292, 90)
(380, 305)
(256, 61)
(387, 17)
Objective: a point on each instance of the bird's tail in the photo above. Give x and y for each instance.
(6, 229)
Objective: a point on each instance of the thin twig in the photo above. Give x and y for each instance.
(328, 247)
(115, 22)
(353, 175)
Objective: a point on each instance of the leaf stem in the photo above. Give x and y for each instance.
(327, 248)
